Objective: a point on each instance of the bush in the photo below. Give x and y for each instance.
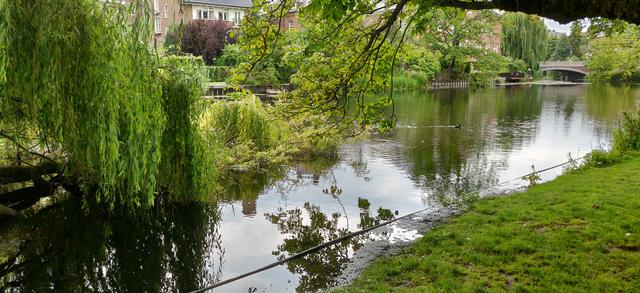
(410, 80)
(231, 56)
(172, 40)
(246, 122)
(517, 65)
(600, 158)
(627, 138)
(206, 38)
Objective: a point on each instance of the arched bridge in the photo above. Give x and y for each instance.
(572, 70)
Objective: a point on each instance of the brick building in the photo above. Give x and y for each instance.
(168, 12)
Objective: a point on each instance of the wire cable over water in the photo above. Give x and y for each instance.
(360, 232)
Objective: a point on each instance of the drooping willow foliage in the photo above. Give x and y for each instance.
(81, 77)
(524, 37)
(187, 165)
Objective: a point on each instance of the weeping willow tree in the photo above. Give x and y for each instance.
(525, 38)
(188, 165)
(81, 88)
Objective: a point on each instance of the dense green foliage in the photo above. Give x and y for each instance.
(559, 48)
(616, 57)
(524, 37)
(627, 138)
(457, 35)
(188, 167)
(218, 73)
(561, 236)
(416, 67)
(231, 56)
(172, 41)
(577, 40)
(79, 75)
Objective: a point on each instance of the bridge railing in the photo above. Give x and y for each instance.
(563, 64)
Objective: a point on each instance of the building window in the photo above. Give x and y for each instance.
(291, 23)
(223, 15)
(166, 10)
(237, 17)
(156, 21)
(156, 6)
(203, 14)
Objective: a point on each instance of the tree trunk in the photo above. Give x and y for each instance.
(6, 212)
(13, 174)
(450, 69)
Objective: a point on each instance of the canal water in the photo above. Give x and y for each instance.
(503, 134)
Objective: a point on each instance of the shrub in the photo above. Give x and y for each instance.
(245, 121)
(206, 38)
(172, 40)
(231, 56)
(600, 158)
(627, 138)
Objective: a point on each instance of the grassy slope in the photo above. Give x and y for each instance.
(579, 233)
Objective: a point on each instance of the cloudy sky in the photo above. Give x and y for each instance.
(554, 25)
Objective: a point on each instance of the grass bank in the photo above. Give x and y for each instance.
(579, 233)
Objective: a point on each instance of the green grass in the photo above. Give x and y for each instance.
(579, 233)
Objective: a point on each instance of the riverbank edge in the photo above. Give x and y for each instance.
(563, 235)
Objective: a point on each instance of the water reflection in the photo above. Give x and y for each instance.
(270, 215)
(173, 248)
(308, 227)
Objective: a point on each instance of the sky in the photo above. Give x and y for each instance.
(556, 26)
(563, 28)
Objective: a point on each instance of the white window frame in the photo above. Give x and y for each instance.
(237, 17)
(291, 24)
(166, 10)
(156, 6)
(158, 27)
(202, 12)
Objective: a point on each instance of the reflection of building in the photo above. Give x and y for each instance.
(249, 207)
(168, 12)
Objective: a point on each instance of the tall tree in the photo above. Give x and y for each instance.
(616, 57)
(206, 38)
(562, 49)
(576, 39)
(456, 33)
(524, 37)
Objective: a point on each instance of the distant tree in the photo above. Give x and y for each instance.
(577, 40)
(206, 38)
(172, 40)
(599, 26)
(552, 44)
(562, 50)
(524, 37)
(616, 57)
(456, 35)
(231, 56)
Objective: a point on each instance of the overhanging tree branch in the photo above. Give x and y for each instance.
(559, 10)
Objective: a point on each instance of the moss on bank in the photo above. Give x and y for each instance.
(579, 233)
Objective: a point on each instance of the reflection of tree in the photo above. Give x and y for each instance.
(175, 247)
(319, 270)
